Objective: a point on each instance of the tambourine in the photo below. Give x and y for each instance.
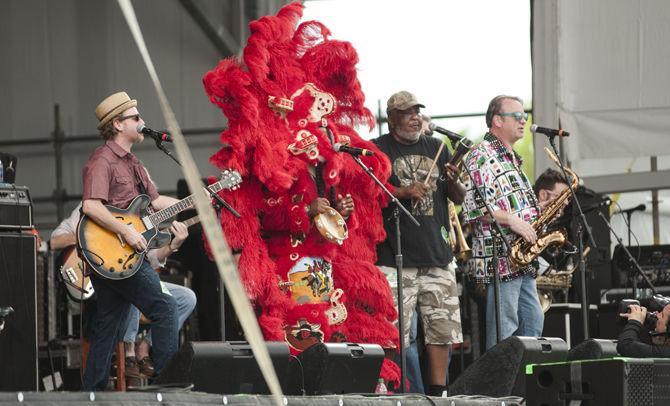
(331, 226)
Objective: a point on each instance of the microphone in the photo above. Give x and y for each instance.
(352, 150)
(603, 203)
(453, 137)
(156, 135)
(550, 132)
(639, 207)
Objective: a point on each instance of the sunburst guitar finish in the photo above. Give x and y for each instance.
(110, 255)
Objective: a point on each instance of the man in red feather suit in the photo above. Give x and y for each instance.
(291, 97)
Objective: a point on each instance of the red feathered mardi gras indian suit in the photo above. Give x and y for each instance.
(292, 92)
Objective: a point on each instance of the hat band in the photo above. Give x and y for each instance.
(106, 116)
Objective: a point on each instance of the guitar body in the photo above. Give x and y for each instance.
(106, 252)
(72, 273)
(110, 256)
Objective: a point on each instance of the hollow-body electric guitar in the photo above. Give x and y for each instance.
(79, 287)
(110, 256)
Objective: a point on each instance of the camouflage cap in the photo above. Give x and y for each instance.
(402, 100)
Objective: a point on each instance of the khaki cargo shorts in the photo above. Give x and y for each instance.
(433, 292)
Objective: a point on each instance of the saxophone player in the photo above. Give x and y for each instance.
(548, 187)
(496, 170)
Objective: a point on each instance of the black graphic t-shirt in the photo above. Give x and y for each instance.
(427, 245)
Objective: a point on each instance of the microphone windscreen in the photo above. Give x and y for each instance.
(533, 128)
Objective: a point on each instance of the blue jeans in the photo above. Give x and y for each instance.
(520, 311)
(412, 358)
(114, 298)
(185, 299)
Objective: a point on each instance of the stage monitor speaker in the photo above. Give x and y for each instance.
(593, 348)
(18, 340)
(335, 368)
(501, 371)
(223, 367)
(614, 382)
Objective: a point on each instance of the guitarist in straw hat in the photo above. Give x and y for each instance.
(114, 176)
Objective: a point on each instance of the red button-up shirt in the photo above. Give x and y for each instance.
(114, 175)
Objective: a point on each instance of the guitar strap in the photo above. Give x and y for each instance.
(87, 269)
(138, 179)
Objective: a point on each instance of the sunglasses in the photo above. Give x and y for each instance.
(135, 117)
(518, 116)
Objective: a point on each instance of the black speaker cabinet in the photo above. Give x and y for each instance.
(594, 348)
(223, 367)
(615, 382)
(501, 371)
(18, 340)
(336, 368)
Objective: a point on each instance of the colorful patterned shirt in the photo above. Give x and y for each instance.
(497, 171)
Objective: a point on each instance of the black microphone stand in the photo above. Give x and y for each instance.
(496, 233)
(629, 214)
(632, 262)
(582, 226)
(220, 202)
(398, 263)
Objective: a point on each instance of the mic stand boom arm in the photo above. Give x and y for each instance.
(398, 262)
(220, 202)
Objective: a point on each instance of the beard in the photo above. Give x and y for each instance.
(408, 136)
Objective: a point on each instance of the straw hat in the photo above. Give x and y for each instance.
(112, 106)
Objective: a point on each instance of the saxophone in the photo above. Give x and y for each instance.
(522, 252)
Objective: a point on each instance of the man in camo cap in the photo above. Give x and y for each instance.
(429, 280)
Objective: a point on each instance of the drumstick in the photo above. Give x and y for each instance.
(430, 171)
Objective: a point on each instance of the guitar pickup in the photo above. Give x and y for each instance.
(147, 223)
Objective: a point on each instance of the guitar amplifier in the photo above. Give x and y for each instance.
(16, 210)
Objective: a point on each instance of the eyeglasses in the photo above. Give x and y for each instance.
(135, 117)
(518, 116)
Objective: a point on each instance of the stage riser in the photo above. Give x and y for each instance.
(188, 399)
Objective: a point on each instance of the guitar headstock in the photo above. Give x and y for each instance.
(230, 179)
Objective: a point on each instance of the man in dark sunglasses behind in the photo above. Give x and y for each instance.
(496, 170)
(114, 176)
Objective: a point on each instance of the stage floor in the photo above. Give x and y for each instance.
(197, 398)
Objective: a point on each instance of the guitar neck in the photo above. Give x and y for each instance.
(193, 220)
(188, 223)
(184, 204)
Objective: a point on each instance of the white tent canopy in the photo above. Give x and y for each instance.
(600, 70)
